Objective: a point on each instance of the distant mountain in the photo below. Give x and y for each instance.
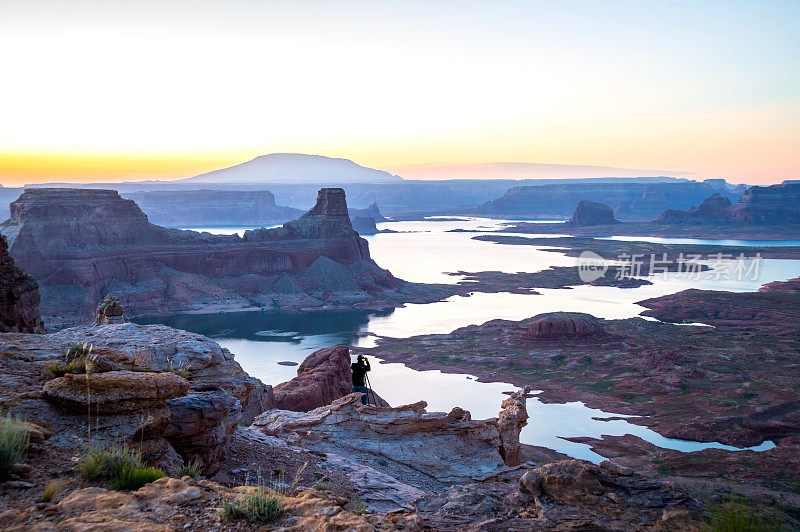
(511, 170)
(296, 168)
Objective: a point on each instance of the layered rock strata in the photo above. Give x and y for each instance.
(209, 208)
(175, 396)
(447, 447)
(81, 245)
(19, 297)
(775, 205)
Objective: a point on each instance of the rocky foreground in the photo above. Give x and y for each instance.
(180, 399)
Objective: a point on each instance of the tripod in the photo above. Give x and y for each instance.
(369, 389)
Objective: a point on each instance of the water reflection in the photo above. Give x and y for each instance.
(424, 252)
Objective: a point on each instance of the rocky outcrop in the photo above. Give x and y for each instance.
(209, 208)
(513, 417)
(590, 213)
(775, 205)
(713, 210)
(323, 377)
(201, 425)
(407, 435)
(365, 226)
(110, 311)
(115, 392)
(372, 211)
(205, 364)
(178, 399)
(608, 496)
(772, 205)
(19, 297)
(109, 245)
(564, 326)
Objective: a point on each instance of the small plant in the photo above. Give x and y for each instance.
(259, 506)
(120, 465)
(144, 358)
(357, 506)
(13, 444)
(190, 469)
(78, 351)
(733, 516)
(52, 488)
(79, 359)
(133, 478)
(83, 364)
(383, 462)
(324, 484)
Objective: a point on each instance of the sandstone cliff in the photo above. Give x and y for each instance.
(199, 208)
(630, 200)
(19, 297)
(775, 205)
(81, 245)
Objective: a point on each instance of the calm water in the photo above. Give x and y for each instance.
(720, 242)
(424, 251)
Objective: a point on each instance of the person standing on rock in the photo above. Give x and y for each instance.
(360, 368)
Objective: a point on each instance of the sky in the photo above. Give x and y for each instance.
(117, 90)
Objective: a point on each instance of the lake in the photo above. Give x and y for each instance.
(425, 251)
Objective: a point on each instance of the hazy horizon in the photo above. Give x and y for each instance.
(118, 91)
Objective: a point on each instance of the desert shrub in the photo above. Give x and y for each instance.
(260, 506)
(120, 465)
(190, 469)
(83, 350)
(134, 477)
(324, 484)
(82, 364)
(733, 516)
(53, 487)
(357, 506)
(13, 444)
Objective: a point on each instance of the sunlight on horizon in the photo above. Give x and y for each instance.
(109, 91)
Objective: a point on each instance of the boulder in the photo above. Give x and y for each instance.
(608, 494)
(564, 326)
(115, 392)
(323, 377)
(201, 425)
(590, 213)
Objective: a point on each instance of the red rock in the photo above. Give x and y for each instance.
(323, 377)
(592, 213)
(109, 245)
(19, 297)
(564, 326)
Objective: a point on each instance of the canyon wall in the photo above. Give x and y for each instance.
(19, 297)
(768, 206)
(630, 201)
(198, 208)
(81, 244)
